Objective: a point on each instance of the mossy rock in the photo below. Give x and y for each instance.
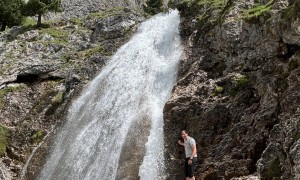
(58, 98)
(38, 136)
(297, 54)
(77, 21)
(60, 35)
(3, 139)
(273, 171)
(207, 12)
(293, 64)
(92, 51)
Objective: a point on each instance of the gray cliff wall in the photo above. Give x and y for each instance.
(78, 8)
(42, 70)
(238, 91)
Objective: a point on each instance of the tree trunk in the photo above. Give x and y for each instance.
(39, 22)
(3, 26)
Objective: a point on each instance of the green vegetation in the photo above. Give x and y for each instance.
(257, 10)
(60, 35)
(290, 13)
(218, 90)
(77, 21)
(107, 13)
(10, 13)
(240, 84)
(274, 170)
(3, 139)
(153, 6)
(58, 98)
(66, 57)
(216, 4)
(293, 64)
(47, 97)
(207, 12)
(6, 90)
(282, 73)
(97, 49)
(40, 7)
(28, 21)
(38, 136)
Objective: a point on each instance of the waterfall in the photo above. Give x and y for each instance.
(114, 130)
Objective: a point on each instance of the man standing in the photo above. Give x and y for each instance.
(190, 154)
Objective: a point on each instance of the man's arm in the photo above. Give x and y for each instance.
(194, 151)
(180, 142)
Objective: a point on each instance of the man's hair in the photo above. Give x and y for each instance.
(185, 131)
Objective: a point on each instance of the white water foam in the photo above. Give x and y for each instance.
(137, 80)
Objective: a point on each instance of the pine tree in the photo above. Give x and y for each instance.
(10, 13)
(40, 7)
(153, 6)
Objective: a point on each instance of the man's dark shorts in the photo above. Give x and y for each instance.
(190, 168)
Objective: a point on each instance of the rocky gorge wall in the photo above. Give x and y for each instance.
(238, 90)
(43, 70)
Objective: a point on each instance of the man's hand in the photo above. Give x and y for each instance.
(180, 142)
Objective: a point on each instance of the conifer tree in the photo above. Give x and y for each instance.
(10, 13)
(153, 6)
(40, 7)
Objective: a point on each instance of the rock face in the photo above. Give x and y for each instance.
(42, 70)
(238, 91)
(78, 8)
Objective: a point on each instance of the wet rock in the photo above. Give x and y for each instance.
(77, 8)
(115, 26)
(42, 70)
(237, 95)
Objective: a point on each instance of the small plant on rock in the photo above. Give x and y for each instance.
(241, 83)
(257, 10)
(153, 6)
(3, 139)
(218, 90)
(38, 136)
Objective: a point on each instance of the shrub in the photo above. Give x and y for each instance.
(10, 13)
(153, 6)
(38, 136)
(240, 84)
(257, 10)
(218, 90)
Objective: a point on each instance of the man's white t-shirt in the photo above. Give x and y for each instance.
(188, 144)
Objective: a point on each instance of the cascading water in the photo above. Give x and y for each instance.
(115, 129)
